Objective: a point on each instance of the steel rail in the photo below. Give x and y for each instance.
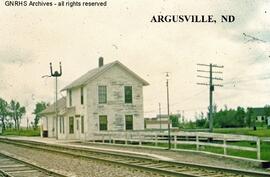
(32, 167)
(173, 168)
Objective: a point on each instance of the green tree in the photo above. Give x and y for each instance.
(250, 117)
(3, 113)
(174, 120)
(40, 106)
(267, 112)
(230, 118)
(16, 112)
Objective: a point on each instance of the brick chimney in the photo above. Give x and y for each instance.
(100, 62)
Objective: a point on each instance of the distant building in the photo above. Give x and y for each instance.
(109, 97)
(260, 114)
(159, 122)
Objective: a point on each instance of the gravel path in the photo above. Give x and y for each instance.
(186, 156)
(73, 166)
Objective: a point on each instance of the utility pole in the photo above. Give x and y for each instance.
(211, 87)
(159, 106)
(168, 109)
(56, 74)
(27, 123)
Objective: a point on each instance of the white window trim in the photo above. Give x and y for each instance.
(132, 94)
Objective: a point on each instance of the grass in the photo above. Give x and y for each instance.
(265, 146)
(261, 131)
(21, 132)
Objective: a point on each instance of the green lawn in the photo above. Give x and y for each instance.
(265, 146)
(261, 132)
(22, 132)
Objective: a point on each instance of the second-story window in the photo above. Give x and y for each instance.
(102, 94)
(70, 97)
(82, 99)
(128, 94)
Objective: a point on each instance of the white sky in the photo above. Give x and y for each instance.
(31, 37)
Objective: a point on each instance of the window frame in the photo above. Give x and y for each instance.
(71, 127)
(125, 95)
(63, 124)
(82, 124)
(60, 125)
(77, 124)
(100, 92)
(132, 117)
(101, 127)
(82, 96)
(70, 97)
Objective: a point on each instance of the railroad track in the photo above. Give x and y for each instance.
(171, 168)
(13, 167)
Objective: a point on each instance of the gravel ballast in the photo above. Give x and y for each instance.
(183, 156)
(73, 166)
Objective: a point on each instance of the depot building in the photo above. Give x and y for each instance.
(106, 98)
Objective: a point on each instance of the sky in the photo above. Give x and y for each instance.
(32, 37)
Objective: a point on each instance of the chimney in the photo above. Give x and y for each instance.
(100, 62)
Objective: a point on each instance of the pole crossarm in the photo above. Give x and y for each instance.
(214, 78)
(202, 84)
(217, 66)
(203, 71)
(213, 65)
(200, 64)
(216, 85)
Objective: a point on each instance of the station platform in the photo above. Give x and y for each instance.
(74, 143)
(159, 154)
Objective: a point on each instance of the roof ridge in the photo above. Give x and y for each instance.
(96, 71)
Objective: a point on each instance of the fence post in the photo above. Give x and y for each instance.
(110, 138)
(258, 149)
(102, 138)
(197, 142)
(224, 145)
(126, 137)
(140, 139)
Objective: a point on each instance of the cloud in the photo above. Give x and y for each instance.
(15, 56)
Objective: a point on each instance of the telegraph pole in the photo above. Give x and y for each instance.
(159, 106)
(211, 87)
(168, 109)
(56, 74)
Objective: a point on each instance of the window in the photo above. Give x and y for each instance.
(70, 97)
(60, 125)
(82, 95)
(71, 125)
(102, 94)
(103, 123)
(82, 124)
(128, 94)
(77, 122)
(129, 122)
(63, 124)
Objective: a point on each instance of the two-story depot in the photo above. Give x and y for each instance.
(109, 97)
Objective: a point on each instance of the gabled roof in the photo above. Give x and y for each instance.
(61, 104)
(258, 111)
(94, 73)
